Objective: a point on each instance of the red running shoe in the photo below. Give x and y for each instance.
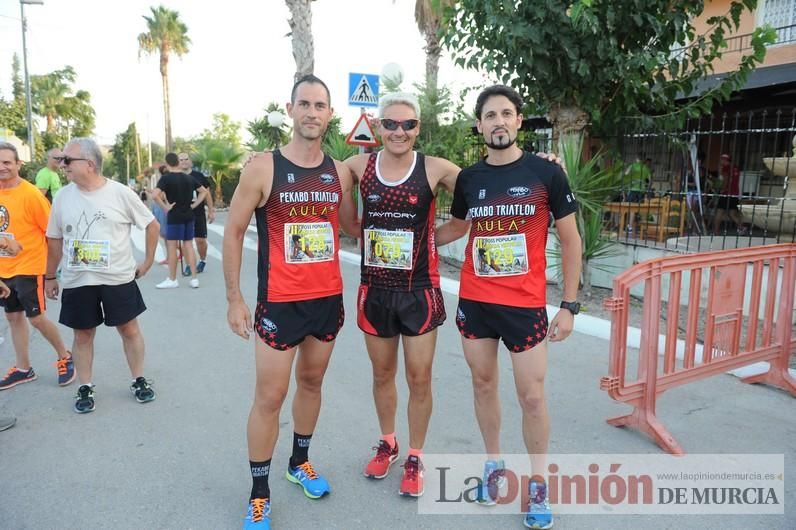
(412, 481)
(379, 465)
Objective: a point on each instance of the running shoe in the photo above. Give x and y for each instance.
(200, 267)
(314, 485)
(412, 481)
(7, 422)
(84, 400)
(194, 283)
(142, 390)
(258, 516)
(379, 465)
(539, 513)
(489, 489)
(168, 283)
(15, 377)
(186, 271)
(66, 370)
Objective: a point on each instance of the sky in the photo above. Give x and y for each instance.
(240, 58)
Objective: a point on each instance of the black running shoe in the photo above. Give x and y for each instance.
(84, 400)
(143, 390)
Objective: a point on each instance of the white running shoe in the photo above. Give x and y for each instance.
(168, 283)
(194, 283)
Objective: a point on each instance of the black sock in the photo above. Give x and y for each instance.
(260, 471)
(301, 448)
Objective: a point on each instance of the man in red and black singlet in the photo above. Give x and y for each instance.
(298, 196)
(399, 295)
(506, 201)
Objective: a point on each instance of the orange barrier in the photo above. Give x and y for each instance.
(727, 343)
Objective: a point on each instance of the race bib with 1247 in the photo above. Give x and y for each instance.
(87, 254)
(500, 255)
(308, 242)
(389, 249)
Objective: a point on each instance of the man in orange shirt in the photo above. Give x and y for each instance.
(23, 218)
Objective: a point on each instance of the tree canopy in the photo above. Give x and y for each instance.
(600, 60)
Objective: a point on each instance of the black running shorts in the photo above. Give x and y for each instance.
(521, 328)
(199, 223)
(385, 313)
(89, 306)
(27, 294)
(284, 325)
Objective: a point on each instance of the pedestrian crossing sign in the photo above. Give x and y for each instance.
(363, 90)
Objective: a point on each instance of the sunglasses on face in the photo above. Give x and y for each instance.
(66, 160)
(392, 125)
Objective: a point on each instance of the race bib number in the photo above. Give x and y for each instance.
(389, 249)
(87, 254)
(308, 242)
(5, 253)
(500, 255)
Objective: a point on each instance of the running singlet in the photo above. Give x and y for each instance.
(509, 207)
(297, 232)
(398, 249)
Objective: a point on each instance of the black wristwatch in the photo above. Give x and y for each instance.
(572, 307)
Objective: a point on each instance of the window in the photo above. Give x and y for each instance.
(780, 14)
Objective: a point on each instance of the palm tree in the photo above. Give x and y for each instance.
(166, 34)
(301, 36)
(429, 18)
(49, 94)
(220, 159)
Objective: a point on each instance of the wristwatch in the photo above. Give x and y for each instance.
(572, 307)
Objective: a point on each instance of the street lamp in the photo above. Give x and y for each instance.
(29, 107)
(276, 119)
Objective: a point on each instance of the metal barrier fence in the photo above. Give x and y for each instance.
(746, 318)
(711, 204)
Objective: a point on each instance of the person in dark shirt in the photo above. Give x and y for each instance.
(200, 219)
(175, 194)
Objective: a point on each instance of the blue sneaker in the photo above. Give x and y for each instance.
(315, 486)
(187, 271)
(539, 514)
(258, 516)
(16, 377)
(494, 477)
(200, 266)
(66, 370)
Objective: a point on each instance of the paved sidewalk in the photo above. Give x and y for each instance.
(180, 461)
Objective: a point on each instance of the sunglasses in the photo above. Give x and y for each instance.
(392, 125)
(66, 160)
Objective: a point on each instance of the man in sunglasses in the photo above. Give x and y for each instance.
(23, 218)
(90, 228)
(399, 296)
(299, 197)
(505, 201)
(47, 179)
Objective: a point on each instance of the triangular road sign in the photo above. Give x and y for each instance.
(362, 134)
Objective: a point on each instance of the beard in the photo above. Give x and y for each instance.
(310, 134)
(502, 142)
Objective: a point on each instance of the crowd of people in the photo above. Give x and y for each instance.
(300, 198)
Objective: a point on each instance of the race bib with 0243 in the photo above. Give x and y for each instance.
(389, 249)
(87, 254)
(308, 242)
(500, 255)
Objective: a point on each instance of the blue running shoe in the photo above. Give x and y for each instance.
(258, 516)
(539, 514)
(315, 486)
(494, 477)
(200, 266)
(187, 271)
(66, 370)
